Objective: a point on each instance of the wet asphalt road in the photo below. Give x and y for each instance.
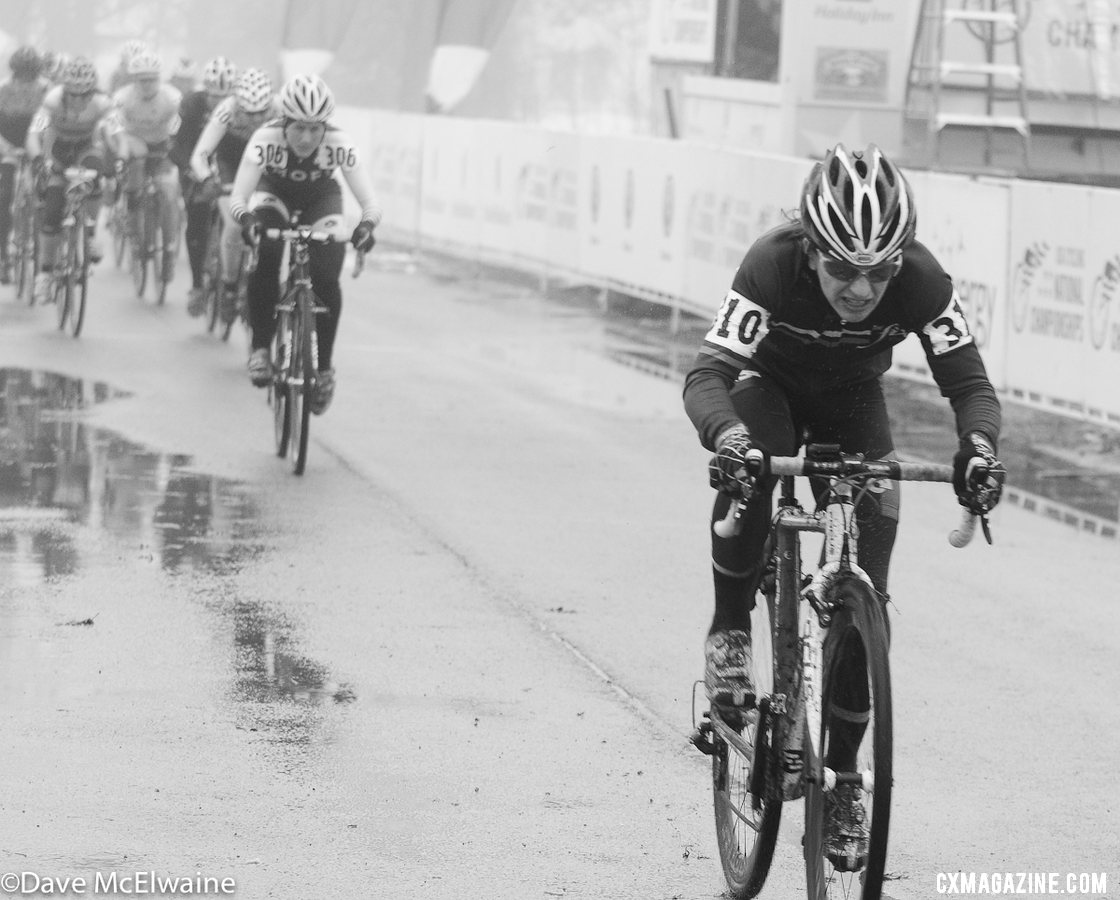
(455, 659)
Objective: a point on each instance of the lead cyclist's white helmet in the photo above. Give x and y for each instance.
(306, 98)
(144, 64)
(858, 207)
(253, 90)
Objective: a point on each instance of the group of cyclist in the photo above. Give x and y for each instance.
(264, 157)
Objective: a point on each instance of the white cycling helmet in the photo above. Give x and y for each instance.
(253, 90)
(858, 207)
(219, 75)
(130, 49)
(306, 98)
(144, 63)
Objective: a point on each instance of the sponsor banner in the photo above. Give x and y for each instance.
(391, 146)
(853, 53)
(972, 248)
(1062, 280)
(563, 248)
(449, 202)
(635, 230)
(666, 219)
(1070, 47)
(683, 30)
(733, 199)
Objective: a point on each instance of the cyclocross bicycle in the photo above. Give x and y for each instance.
(295, 348)
(25, 229)
(70, 275)
(820, 727)
(221, 316)
(144, 228)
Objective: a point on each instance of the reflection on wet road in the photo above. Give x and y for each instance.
(71, 496)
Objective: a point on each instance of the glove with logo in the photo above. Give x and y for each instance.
(362, 238)
(977, 474)
(250, 228)
(729, 470)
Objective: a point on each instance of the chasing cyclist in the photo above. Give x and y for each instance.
(796, 354)
(20, 98)
(215, 160)
(65, 133)
(289, 166)
(194, 112)
(145, 118)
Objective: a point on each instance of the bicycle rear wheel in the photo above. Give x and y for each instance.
(746, 782)
(856, 744)
(301, 383)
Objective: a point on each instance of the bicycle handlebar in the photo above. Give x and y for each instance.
(843, 467)
(293, 235)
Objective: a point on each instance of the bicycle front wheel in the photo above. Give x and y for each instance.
(139, 248)
(746, 779)
(848, 795)
(79, 279)
(278, 388)
(301, 383)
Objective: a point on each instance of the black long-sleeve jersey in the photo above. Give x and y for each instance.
(777, 320)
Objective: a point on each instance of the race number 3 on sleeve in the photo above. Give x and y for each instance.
(950, 329)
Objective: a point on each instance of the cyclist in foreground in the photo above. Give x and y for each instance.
(65, 133)
(20, 98)
(798, 348)
(288, 166)
(216, 157)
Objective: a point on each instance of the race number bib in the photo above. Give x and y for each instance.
(950, 329)
(739, 326)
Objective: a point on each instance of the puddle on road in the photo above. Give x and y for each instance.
(63, 483)
(66, 486)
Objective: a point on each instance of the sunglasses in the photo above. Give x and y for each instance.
(843, 271)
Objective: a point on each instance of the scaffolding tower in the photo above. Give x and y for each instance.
(966, 72)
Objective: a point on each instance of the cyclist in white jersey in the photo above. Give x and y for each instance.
(288, 167)
(145, 118)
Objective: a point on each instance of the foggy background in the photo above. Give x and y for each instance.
(564, 63)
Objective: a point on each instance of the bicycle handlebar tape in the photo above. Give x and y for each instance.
(962, 534)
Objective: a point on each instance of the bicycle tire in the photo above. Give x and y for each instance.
(855, 662)
(118, 220)
(242, 301)
(278, 389)
(301, 382)
(21, 248)
(79, 279)
(27, 254)
(138, 249)
(212, 273)
(747, 802)
(156, 244)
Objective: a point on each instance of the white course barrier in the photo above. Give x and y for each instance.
(1037, 265)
